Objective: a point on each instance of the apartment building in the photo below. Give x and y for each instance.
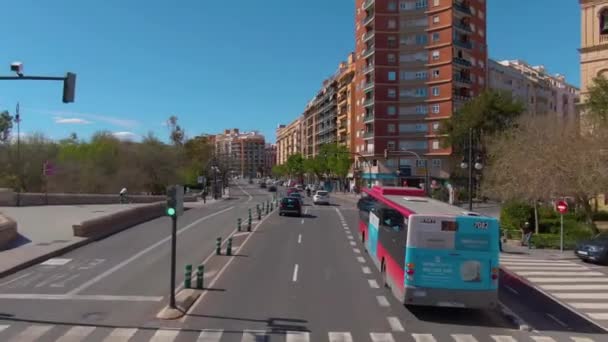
(346, 100)
(289, 140)
(270, 158)
(417, 61)
(241, 152)
(539, 91)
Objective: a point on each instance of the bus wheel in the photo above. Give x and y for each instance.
(383, 272)
(363, 237)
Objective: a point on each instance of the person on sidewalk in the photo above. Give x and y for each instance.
(526, 234)
(204, 195)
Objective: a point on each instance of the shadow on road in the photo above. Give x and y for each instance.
(459, 316)
(20, 240)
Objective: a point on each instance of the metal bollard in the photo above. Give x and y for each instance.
(188, 277)
(249, 224)
(271, 206)
(238, 224)
(200, 273)
(259, 214)
(218, 246)
(229, 247)
(249, 212)
(257, 208)
(267, 210)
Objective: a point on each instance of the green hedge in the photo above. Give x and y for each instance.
(514, 214)
(571, 238)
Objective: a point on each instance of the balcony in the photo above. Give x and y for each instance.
(368, 35)
(462, 79)
(368, 52)
(368, 135)
(462, 8)
(368, 86)
(368, 118)
(462, 61)
(464, 27)
(463, 44)
(603, 38)
(462, 98)
(367, 4)
(368, 69)
(368, 102)
(368, 20)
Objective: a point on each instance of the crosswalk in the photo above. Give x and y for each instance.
(62, 333)
(582, 288)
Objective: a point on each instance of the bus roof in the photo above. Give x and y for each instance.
(396, 190)
(427, 206)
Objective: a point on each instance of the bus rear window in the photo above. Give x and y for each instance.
(449, 226)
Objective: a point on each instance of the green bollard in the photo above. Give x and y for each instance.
(271, 206)
(188, 277)
(229, 247)
(259, 214)
(257, 208)
(249, 212)
(200, 272)
(249, 224)
(238, 224)
(218, 246)
(267, 209)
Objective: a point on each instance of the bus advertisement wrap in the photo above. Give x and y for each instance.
(372, 231)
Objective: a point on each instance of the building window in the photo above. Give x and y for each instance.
(436, 163)
(436, 36)
(481, 33)
(392, 93)
(391, 162)
(480, 14)
(392, 76)
(435, 144)
(604, 22)
(413, 145)
(435, 19)
(481, 80)
(435, 3)
(391, 128)
(436, 108)
(392, 24)
(392, 42)
(435, 73)
(421, 4)
(421, 92)
(391, 110)
(435, 91)
(390, 145)
(435, 55)
(435, 126)
(420, 109)
(421, 75)
(391, 58)
(421, 39)
(473, 27)
(405, 5)
(391, 6)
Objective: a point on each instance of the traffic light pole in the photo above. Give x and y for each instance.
(69, 83)
(173, 261)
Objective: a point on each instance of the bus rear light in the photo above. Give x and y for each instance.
(409, 272)
(494, 276)
(410, 265)
(494, 273)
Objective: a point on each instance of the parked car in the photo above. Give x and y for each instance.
(300, 187)
(321, 197)
(290, 205)
(298, 196)
(594, 249)
(263, 185)
(272, 188)
(291, 191)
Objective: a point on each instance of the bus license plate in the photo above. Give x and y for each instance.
(451, 304)
(419, 293)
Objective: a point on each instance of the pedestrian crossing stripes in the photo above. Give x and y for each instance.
(62, 333)
(582, 288)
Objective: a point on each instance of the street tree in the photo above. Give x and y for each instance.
(279, 171)
(489, 113)
(176, 132)
(6, 125)
(295, 165)
(542, 159)
(596, 104)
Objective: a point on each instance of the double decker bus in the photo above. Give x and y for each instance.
(429, 252)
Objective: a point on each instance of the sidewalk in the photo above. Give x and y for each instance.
(46, 231)
(576, 286)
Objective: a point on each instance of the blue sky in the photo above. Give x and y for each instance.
(217, 64)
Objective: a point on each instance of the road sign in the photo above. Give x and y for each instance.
(562, 207)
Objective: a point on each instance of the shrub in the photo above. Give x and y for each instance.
(571, 238)
(514, 214)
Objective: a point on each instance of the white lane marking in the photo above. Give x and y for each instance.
(382, 337)
(560, 322)
(300, 238)
(352, 243)
(373, 283)
(80, 297)
(593, 295)
(357, 250)
(31, 334)
(254, 336)
(56, 262)
(120, 335)
(340, 337)
(580, 339)
(3, 327)
(346, 228)
(297, 336)
(563, 274)
(163, 335)
(550, 264)
(138, 255)
(240, 234)
(598, 315)
(350, 237)
(302, 222)
(14, 280)
(424, 338)
(395, 324)
(64, 281)
(568, 280)
(76, 334)
(575, 287)
(511, 289)
(589, 305)
(463, 338)
(306, 211)
(546, 268)
(294, 278)
(366, 270)
(209, 335)
(51, 279)
(503, 338)
(382, 301)
(361, 259)
(344, 224)
(542, 338)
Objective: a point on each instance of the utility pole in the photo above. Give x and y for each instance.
(470, 169)
(19, 176)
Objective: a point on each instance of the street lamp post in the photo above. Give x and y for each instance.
(426, 167)
(470, 165)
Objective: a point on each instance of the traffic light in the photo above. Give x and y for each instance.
(172, 201)
(69, 88)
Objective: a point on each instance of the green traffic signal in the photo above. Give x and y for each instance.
(171, 211)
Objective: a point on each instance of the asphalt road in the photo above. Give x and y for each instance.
(292, 279)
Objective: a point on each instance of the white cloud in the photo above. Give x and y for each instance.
(127, 123)
(75, 121)
(125, 135)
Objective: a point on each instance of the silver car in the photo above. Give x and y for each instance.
(321, 197)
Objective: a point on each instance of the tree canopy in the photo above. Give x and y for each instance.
(6, 125)
(596, 104)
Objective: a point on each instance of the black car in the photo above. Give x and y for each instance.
(290, 205)
(595, 249)
(263, 185)
(272, 188)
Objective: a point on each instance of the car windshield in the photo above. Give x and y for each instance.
(297, 195)
(322, 193)
(289, 201)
